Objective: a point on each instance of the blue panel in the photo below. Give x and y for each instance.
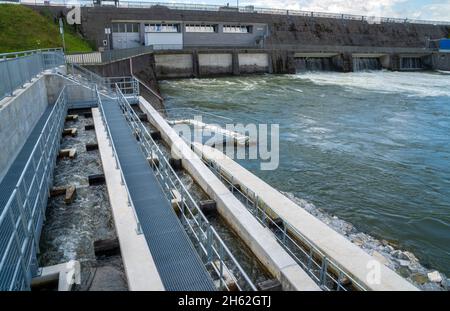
(444, 44)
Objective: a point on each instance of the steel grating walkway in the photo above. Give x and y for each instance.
(176, 259)
(11, 178)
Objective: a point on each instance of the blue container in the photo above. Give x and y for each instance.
(444, 44)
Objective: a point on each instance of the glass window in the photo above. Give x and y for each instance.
(121, 27)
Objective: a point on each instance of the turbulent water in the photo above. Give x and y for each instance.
(372, 148)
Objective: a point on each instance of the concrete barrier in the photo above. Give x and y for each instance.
(352, 259)
(259, 239)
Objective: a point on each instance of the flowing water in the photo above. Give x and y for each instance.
(372, 148)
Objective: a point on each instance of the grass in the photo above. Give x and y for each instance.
(22, 28)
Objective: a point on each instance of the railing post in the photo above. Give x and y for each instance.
(209, 243)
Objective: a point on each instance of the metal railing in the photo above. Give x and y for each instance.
(127, 84)
(212, 250)
(241, 9)
(107, 56)
(322, 269)
(22, 217)
(19, 68)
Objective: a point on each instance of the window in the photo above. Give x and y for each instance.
(132, 27)
(237, 29)
(200, 28)
(161, 28)
(125, 27)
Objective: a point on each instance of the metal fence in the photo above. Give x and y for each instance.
(22, 217)
(127, 84)
(323, 270)
(19, 68)
(107, 56)
(214, 253)
(241, 9)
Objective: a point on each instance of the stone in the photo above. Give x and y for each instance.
(419, 278)
(71, 191)
(434, 277)
(410, 256)
(70, 132)
(389, 249)
(402, 262)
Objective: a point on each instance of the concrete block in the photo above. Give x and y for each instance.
(97, 179)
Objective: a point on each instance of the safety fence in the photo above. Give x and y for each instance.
(19, 68)
(92, 58)
(22, 217)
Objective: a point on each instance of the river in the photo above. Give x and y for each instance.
(372, 148)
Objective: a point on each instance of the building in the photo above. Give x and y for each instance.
(178, 34)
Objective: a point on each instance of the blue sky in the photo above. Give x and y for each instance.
(420, 9)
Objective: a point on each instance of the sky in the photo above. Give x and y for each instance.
(414, 9)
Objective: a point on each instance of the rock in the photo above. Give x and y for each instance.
(434, 277)
(358, 241)
(403, 255)
(419, 278)
(410, 256)
(402, 262)
(389, 249)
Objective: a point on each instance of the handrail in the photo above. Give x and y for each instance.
(148, 88)
(118, 165)
(19, 68)
(26, 204)
(28, 52)
(319, 271)
(208, 238)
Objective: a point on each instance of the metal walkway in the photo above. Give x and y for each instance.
(176, 259)
(11, 178)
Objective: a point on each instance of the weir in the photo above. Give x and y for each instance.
(366, 63)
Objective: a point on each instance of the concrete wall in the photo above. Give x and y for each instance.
(215, 64)
(253, 63)
(174, 65)
(282, 29)
(18, 116)
(441, 61)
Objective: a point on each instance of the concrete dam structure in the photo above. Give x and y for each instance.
(99, 191)
(289, 39)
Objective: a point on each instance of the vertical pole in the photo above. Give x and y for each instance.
(61, 31)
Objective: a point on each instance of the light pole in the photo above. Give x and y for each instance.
(61, 31)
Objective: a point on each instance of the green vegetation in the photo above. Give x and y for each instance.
(22, 28)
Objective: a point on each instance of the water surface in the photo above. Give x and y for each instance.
(372, 148)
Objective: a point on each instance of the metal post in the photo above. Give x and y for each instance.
(61, 31)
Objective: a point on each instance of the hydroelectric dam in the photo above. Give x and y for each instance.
(100, 191)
